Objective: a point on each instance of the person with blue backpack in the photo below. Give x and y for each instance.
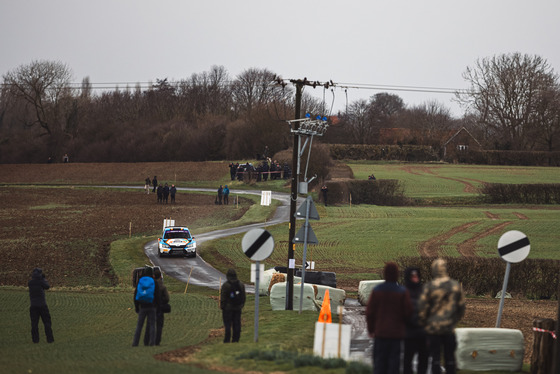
(146, 302)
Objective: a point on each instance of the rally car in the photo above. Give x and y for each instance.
(176, 240)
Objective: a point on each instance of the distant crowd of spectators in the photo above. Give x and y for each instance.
(265, 169)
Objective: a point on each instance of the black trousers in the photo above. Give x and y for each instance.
(232, 319)
(449, 343)
(159, 330)
(412, 346)
(42, 312)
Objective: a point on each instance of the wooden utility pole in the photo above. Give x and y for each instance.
(557, 340)
(293, 201)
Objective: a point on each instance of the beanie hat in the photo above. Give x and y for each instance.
(391, 272)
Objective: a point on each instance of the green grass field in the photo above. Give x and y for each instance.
(93, 326)
(443, 180)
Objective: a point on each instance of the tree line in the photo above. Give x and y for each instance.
(513, 104)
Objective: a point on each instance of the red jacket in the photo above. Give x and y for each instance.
(388, 309)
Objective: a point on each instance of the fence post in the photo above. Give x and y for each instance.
(543, 346)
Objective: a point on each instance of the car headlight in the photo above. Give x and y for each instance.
(191, 245)
(164, 245)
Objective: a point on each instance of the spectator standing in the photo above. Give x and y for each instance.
(440, 308)
(160, 194)
(65, 158)
(154, 183)
(265, 169)
(39, 309)
(164, 299)
(324, 190)
(415, 341)
(232, 170)
(172, 192)
(232, 301)
(220, 194)
(146, 311)
(147, 184)
(388, 309)
(226, 195)
(165, 193)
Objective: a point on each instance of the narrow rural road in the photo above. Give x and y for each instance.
(198, 272)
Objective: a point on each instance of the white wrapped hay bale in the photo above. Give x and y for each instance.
(365, 288)
(336, 295)
(266, 277)
(278, 297)
(485, 349)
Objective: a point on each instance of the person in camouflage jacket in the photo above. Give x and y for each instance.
(440, 308)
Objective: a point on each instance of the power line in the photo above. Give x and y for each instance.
(357, 86)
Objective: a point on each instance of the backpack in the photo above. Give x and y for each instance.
(146, 289)
(235, 294)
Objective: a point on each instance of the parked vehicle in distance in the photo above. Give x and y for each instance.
(176, 240)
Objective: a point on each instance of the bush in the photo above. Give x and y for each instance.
(523, 158)
(388, 192)
(498, 193)
(531, 278)
(415, 153)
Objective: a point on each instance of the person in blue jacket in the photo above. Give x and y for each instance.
(225, 192)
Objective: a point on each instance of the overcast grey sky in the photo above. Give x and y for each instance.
(415, 43)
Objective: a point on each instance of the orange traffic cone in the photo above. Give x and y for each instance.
(325, 314)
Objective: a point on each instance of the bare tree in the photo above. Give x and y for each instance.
(547, 112)
(255, 88)
(383, 109)
(44, 85)
(504, 94)
(358, 120)
(432, 122)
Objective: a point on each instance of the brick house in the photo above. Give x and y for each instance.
(461, 142)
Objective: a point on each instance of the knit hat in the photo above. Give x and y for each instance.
(391, 272)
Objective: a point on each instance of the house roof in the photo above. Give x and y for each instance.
(458, 132)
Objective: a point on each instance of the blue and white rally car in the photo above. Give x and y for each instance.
(176, 240)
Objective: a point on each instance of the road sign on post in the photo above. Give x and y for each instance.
(258, 245)
(513, 247)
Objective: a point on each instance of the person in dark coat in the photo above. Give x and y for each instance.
(415, 341)
(220, 194)
(172, 192)
(160, 194)
(39, 309)
(325, 190)
(164, 299)
(387, 312)
(154, 183)
(165, 193)
(232, 301)
(146, 311)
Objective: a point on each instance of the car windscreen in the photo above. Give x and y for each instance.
(183, 234)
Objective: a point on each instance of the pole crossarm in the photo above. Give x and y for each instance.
(308, 126)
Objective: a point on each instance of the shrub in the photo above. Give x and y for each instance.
(414, 153)
(498, 193)
(531, 278)
(388, 192)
